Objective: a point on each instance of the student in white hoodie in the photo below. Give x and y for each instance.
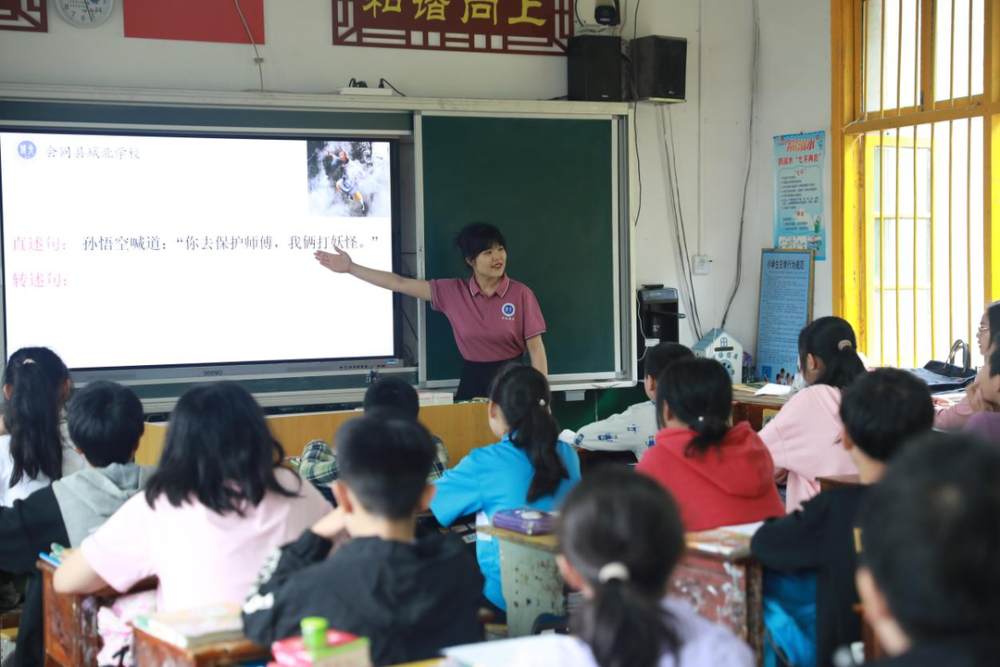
(105, 423)
(635, 429)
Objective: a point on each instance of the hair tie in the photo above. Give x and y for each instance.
(701, 419)
(612, 571)
(844, 344)
(27, 361)
(541, 402)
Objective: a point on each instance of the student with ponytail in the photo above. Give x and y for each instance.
(529, 467)
(36, 449)
(805, 438)
(720, 475)
(620, 536)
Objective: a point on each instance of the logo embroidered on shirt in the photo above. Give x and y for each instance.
(508, 311)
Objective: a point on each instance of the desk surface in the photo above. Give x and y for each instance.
(725, 544)
(744, 393)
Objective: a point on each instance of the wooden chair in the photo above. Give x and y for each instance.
(153, 652)
(71, 638)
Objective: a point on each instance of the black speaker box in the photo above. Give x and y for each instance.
(595, 68)
(660, 68)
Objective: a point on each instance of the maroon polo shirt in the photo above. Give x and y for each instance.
(488, 328)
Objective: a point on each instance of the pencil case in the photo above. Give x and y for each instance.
(526, 521)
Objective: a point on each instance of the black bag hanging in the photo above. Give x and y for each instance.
(945, 376)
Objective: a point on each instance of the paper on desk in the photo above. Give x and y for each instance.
(747, 529)
(771, 389)
(504, 653)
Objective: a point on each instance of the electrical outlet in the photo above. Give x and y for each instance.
(702, 265)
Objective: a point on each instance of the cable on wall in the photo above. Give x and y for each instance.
(746, 181)
(257, 59)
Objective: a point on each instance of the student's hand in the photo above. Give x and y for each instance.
(942, 402)
(977, 401)
(338, 261)
(332, 524)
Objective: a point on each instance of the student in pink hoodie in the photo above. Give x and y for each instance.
(805, 437)
(719, 475)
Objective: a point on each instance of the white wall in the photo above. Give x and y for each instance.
(711, 128)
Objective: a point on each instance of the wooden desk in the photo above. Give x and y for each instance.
(71, 638)
(463, 427)
(717, 575)
(153, 652)
(836, 481)
(754, 409)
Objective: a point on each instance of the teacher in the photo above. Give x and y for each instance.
(494, 319)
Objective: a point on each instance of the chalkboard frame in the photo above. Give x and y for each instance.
(624, 371)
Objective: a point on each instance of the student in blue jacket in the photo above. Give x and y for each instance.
(529, 467)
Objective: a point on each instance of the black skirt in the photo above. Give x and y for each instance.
(477, 377)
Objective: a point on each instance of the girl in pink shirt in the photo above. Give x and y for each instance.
(218, 504)
(805, 437)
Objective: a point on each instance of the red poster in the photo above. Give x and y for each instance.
(194, 20)
(499, 26)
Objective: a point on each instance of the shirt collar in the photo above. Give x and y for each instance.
(501, 290)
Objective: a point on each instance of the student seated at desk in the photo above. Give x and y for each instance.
(34, 449)
(217, 505)
(930, 577)
(882, 412)
(804, 437)
(987, 422)
(389, 394)
(720, 475)
(620, 536)
(529, 467)
(635, 429)
(954, 417)
(411, 597)
(105, 422)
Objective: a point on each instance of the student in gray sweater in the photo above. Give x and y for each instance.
(105, 423)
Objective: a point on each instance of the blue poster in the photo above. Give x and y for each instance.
(785, 309)
(798, 193)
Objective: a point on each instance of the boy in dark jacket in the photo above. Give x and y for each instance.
(411, 597)
(105, 423)
(881, 411)
(929, 576)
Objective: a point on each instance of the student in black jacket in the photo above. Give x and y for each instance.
(411, 597)
(930, 576)
(105, 423)
(881, 412)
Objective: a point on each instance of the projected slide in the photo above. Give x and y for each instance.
(124, 251)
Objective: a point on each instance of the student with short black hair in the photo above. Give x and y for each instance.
(635, 429)
(529, 467)
(411, 597)
(882, 412)
(388, 395)
(35, 448)
(930, 577)
(719, 475)
(495, 319)
(218, 503)
(804, 437)
(105, 423)
(620, 537)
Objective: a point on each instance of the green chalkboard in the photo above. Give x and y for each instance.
(548, 184)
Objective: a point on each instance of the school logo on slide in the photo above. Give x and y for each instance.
(26, 149)
(508, 311)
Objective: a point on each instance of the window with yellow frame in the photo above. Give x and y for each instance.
(916, 128)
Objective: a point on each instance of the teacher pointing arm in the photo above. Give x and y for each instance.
(494, 319)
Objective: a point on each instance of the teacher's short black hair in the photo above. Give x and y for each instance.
(476, 237)
(105, 422)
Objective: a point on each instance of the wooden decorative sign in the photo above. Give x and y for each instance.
(489, 26)
(26, 15)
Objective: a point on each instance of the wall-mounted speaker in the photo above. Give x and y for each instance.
(660, 66)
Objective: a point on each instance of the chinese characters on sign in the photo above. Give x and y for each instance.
(499, 26)
(785, 309)
(798, 193)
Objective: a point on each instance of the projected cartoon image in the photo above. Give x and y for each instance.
(349, 179)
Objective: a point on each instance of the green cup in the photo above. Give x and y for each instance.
(313, 632)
